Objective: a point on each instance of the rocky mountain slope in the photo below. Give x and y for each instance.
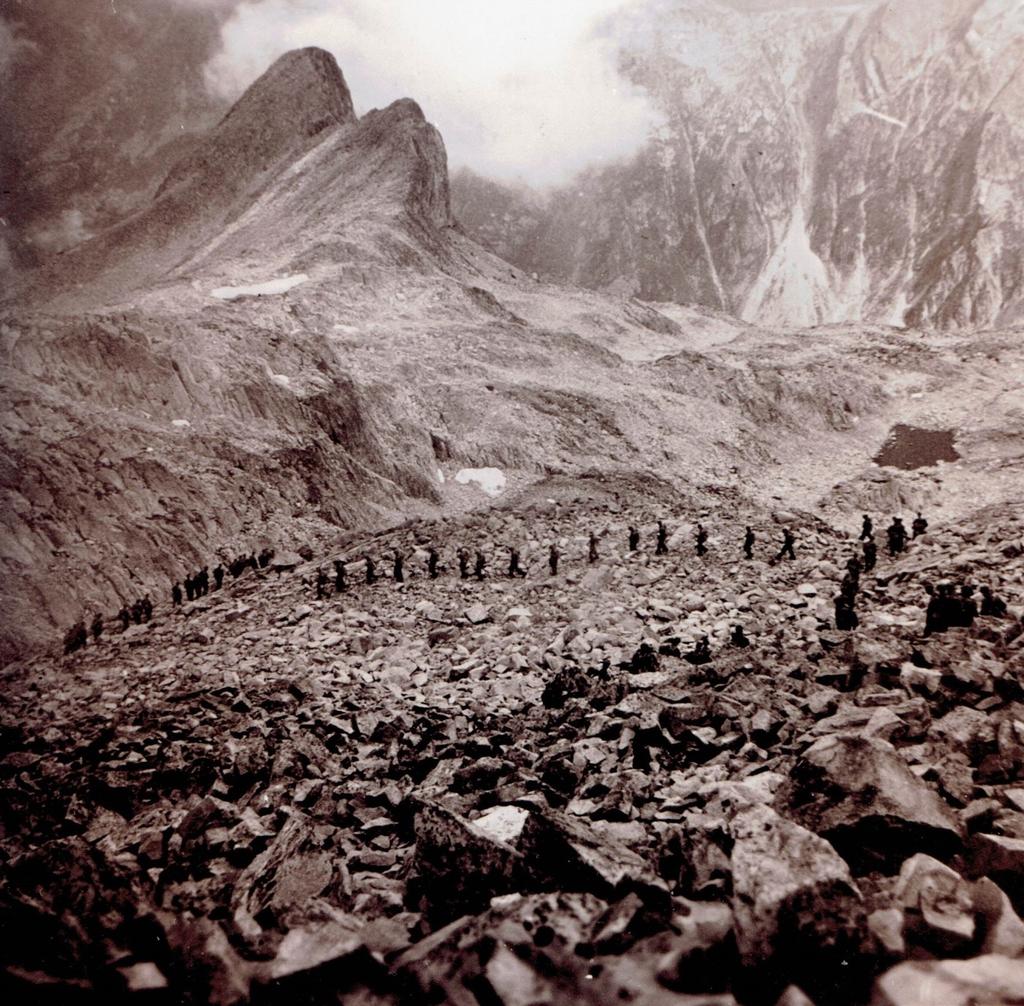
(206, 422)
(521, 790)
(507, 790)
(816, 166)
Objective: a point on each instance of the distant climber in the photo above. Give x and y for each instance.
(739, 637)
(941, 606)
(432, 562)
(265, 557)
(870, 550)
(147, 608)
(75, 638)
(125, 616)
(176, 594)
(919, 526)
(398, 567)
(514, 568)
(321, 584)
(897, 535)
(592, 549)
(787, 545)
(702, 540)
(97, 626)
(340, 573)
(218, 576)
(371, 570)
(748, 543)
(553, 556)
(867, 528)
(634, 538)
(463, 556)
(966, 607)
(846, 616)
(662, 546)
(701, 652)
(991, 605)
(480, 565)
(190, 588)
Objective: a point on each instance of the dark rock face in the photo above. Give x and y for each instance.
(859, 794)
(859, 166)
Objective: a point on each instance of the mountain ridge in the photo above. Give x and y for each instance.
(815, 167)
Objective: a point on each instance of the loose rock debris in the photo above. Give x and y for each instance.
(523, 792)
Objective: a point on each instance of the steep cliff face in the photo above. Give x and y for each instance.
(814, 166)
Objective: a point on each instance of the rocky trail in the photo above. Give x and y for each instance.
(478, 792)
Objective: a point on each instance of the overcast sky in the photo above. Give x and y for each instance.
(520, 89)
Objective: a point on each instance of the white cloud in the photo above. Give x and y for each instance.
(520, 89)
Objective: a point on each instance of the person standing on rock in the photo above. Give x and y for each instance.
(147, 608)
(480, 566)
(897, 535)
(967, 607)
(870, 550)
(553, 556)
(176, 594)
(662, 546)
(846, 616)
(398, 567)
(218, 576)
(125, 616)
(788, 540)
(97, 627)
(919, 526)
(936, 615)
(463, 556)
(340, 572)
(190, 588)
(321, 584)
(592, 550)
(432, 562)
(867, 528)
(992, 606)
(748, 543)
(514, 569)
(371, 570)
(702, 539)
(634, 538)
(739, 637)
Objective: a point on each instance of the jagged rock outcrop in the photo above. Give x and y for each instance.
(813, 166)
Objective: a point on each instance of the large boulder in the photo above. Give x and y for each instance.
(798, 913)
(460, 864)
(859, 794)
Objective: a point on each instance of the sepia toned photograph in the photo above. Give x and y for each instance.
(512, 502)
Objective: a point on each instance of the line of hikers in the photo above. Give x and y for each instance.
(77, 636)
(198, 584)
(945, 609)
(515, 567)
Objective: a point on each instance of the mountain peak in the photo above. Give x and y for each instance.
(300, 95)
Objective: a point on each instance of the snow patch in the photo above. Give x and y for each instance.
(793, 287)
(180, 423)
(440, 476)
(491, 480)
(273, 286)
